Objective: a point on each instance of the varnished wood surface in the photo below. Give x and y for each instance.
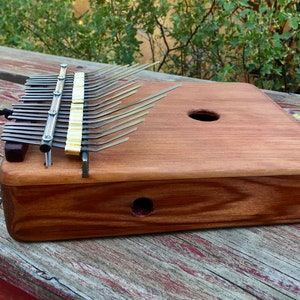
(240, 263)
(39, 213)
(252, 137)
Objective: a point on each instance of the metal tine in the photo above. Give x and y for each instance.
(114, 78)
(110, 114)
(91, 124)
(91, 106)
(50, 80)
(25, 117)
(105, 146)
(88, 95)
(92, 109)
(60, 143)
(93, 84)
(121, 126)
(136, 106)
(108, 101)
(46, 82)
(4, 136)
(108, 70)
(131, 69)
(29, 111)
(67, 97)
(92, 119)
(93, 76)
(104, 67)
(100, 134)
(89, 132)
(65, 105)
(54, 76)
(64, 110)
(96, 144)
(108, 145)
(136, 114)
(108, 82)
(44, 90)
(33, 115)
(110, 132)
(104, 106)
(21, 140)
(24, 133)
(46, 76)
(31, 105)
(109, 89)
(122, 90)
(65, 114)
(23, 125)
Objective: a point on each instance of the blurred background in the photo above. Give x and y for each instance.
(250, 41)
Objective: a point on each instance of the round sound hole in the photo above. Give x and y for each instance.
(204, 115)
(142, 206)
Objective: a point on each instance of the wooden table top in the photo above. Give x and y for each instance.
(238, 263)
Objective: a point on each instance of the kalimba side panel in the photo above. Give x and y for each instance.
(208, 155)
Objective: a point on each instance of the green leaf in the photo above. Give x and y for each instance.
(244, 3)
(294, 22)
(229, 6)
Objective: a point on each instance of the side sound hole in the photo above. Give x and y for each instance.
(204, 115)
(142, 206)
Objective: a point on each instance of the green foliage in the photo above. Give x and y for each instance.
(106, 33)
(251, 41)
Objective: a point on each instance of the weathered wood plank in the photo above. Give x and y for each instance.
(240, 263)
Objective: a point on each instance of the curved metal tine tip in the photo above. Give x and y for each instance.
(114, 138)
(112, 131)
(102, 71)
(121, 73)
(96, 125)
(108, 145)
(135, 106)
(104, 82)
(90, 133)
(95, 104)
(113, 118)
(109, 89)
(93, 109)
(94, 147)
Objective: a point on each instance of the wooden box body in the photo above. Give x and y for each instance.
(208, 155)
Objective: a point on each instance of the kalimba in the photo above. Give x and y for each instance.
(208, 155)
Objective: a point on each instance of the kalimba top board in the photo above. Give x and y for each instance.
(208, 155)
